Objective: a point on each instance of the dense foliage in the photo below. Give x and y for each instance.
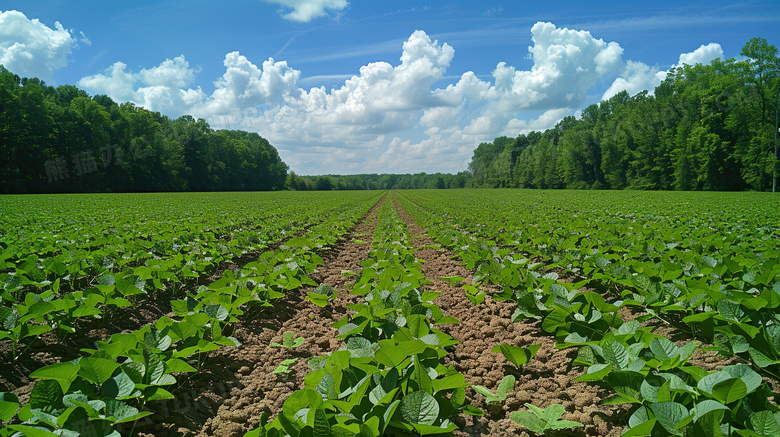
(379, 181)
(606, 273)
(390, 377)
(62, 140)
(705, 263)
(706, 127)
(74, 266)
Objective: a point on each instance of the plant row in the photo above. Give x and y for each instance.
(668, 395)
(722, 282)
(115, 272)
(388, 378)
(105, 391)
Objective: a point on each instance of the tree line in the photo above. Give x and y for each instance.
(379, 181)
(705, 127)
(59, 139)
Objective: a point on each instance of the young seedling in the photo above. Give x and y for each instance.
(541, 421)
(506, 385)
(517, 355)
(284, 368)
(321, 296)
(474, 294)
(289, 341)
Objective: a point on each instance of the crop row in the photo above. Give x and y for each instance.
(105, 390)
(68, 268)
(388, 378)
(718, 291)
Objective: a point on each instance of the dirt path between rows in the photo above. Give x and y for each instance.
(227, 396)
(547, 379)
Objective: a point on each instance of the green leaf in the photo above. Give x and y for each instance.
(751, 379)
(615, 353)
(385, 386)
(730, 310)
(119, 386)
(670, 415)
(46, 395)
(765, 423)
(158, 339)
(175, 365)
(63, 373)
(555, 320)
(451, 382)
(420, 375)
(327, 387)
(529, 420)
(321, 300)
(490, 397)
(9, 403)
(390, 355)
(760, 358)
(298, 401)
(705, 407)
(157, 394)
(540, 420)
(419, 407)
(120, 411)
(97, 370)
(639, 417)
(218, 312)
(30, 431)
(321, 425)
(729, 390)
(507, 384)
(517, 355)
(663, 348)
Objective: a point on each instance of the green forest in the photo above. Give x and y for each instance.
(62, 140)
(706, 127)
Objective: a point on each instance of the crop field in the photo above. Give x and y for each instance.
(400, 313)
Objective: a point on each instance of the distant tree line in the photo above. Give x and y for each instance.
(378, 181)
(61, 140)
(706, 127)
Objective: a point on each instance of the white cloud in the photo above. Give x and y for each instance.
(703, 55)
(307, 10)
(159, 88)
(638, 77)
(29, 48)
(83, 38)
(545, 121)
(391, 117)
(635, 78)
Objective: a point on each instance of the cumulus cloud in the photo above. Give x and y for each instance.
(159, 88)
(703, 55)
(391, 117)
(307, 10)
(638, 77)
(29, 48)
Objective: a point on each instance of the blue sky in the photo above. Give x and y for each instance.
(350, 87)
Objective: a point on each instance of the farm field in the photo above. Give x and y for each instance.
(421, 312)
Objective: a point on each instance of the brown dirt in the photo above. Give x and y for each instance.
(547, 379)
(237, 384)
